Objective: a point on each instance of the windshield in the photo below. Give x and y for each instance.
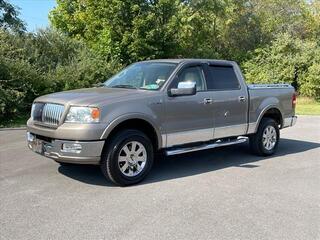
(144, 75)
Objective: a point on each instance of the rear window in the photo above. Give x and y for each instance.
(222, 78)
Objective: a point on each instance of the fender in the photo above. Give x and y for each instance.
(129, 116)
(262, 114)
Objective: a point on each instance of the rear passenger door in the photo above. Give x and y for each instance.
(230, 100)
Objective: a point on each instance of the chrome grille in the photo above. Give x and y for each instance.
(47, 113)
(52, 113)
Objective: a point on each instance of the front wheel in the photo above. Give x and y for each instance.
(265, 141)
(128, 158)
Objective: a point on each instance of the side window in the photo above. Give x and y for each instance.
(191, 74)
(222, 78)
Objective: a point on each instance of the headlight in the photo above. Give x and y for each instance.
(83, 115)
(32, 111)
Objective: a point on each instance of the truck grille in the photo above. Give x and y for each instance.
(47, 113)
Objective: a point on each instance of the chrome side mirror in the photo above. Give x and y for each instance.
(184, 89)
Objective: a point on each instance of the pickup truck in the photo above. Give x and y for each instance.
(172, 106)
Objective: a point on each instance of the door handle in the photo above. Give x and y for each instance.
(207, 101)
(242, 99)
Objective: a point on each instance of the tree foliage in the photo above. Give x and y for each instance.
(35, 64)
(286, 60)
(273, 40)
(129, 31)
(9, 17)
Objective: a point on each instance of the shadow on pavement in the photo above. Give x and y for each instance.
(167, 168)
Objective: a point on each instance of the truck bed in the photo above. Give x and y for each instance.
(263, 95)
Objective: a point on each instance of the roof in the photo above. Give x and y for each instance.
(184, 60)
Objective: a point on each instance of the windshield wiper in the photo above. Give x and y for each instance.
(124, 86)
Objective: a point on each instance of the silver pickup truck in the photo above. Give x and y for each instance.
(173, 106)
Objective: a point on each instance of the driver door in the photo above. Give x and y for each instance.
(189, 118)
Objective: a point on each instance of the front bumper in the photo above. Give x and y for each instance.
(289, 122)
(90, 152)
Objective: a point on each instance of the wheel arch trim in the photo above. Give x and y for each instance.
(253, 127)
(264, 111)
(133, 116)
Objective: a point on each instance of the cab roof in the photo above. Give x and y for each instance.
(190, 60)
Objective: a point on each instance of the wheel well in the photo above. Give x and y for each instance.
(138, 124)
(274, 114)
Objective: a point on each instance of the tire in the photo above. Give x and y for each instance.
(265, 141)
(123, 165)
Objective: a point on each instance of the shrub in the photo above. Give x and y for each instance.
(20, 83)
(286, 60)
(311, 84)
(36, 64)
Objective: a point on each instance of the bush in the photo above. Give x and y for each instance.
(311, 84)
(32, 65)
(20, 83)
(83, 71)
(286, 60)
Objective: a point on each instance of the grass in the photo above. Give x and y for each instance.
(307, 106)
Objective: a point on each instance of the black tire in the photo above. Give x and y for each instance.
(109, 159)
(256, 140)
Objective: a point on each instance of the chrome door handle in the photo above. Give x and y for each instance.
(242, 99)
(207, 101)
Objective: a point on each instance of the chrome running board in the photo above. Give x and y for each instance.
(218, 143)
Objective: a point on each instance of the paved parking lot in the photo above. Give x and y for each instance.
(218, 194)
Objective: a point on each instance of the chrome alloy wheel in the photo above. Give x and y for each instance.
(269, 138)
(132, 159)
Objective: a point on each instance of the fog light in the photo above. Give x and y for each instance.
(71, 147)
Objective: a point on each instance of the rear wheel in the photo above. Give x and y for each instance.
(265, 141)
(128, 158)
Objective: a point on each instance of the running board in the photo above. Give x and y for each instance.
(218, 143)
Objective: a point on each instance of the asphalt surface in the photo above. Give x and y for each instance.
(224, 193)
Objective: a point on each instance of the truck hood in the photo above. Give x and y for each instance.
(90, 96)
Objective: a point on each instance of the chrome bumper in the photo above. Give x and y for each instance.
(89, 153)
(289, 122)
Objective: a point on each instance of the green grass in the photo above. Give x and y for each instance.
(307, 106)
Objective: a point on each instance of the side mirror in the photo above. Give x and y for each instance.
(184, 89)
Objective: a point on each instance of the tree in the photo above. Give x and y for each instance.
(279, 16)
(47, 61)
(273, 40)
(123, 30)
(9, 17)
(313, 18)
(141, 29)
(287, 60)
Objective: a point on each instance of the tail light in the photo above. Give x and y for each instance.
(294, 100)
